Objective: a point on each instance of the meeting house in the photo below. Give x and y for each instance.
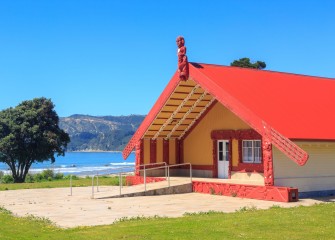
(270, 135)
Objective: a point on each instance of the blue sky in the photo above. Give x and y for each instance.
(115, 57)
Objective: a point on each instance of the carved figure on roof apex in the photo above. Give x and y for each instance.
(182, 59)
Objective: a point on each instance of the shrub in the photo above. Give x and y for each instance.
(7, 179)
(74, 177)
(38, 177)
(59, 176)
(29, 178)
(48, 173)
(1, 174)
(49, 179)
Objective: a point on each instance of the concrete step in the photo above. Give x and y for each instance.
(177, 186)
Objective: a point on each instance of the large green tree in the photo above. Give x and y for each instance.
(29, 133)
(245, 63)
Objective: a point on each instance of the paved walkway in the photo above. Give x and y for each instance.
(80, 210)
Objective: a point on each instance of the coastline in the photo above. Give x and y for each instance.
(82, 162)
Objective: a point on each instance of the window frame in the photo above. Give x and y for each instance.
(255, 158)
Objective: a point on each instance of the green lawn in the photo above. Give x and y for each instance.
(315, 222)
(81, 182)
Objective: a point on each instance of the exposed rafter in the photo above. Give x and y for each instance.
(186, 114)
(169, 120)
(197, 117)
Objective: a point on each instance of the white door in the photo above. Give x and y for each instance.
(223, 158)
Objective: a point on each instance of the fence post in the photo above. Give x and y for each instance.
(97, 182)
(120, 179)
(145, 180)
(92, 187)
(71, 185)
(168, 172)
(191, 172)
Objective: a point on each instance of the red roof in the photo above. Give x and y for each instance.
(277, 105)
(298, 106)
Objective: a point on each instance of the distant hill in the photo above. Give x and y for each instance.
(107, 133)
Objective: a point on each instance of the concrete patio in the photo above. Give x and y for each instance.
(81, 210)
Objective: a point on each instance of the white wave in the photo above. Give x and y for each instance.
(123, 164)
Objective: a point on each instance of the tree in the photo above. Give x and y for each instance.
(245, 63)
(29, 133)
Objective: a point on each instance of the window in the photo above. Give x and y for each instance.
(223, 152)
(251, 151)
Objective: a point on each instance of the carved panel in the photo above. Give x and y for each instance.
(270, 193)
(268, 162)
(137, 158)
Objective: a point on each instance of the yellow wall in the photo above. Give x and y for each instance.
(198, 144)
(172, 151)
(235, 156)
(316, 175)
(248, 178)
(146, 149)
(159, 150)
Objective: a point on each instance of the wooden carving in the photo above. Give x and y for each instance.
(182, 59)
(268, 162)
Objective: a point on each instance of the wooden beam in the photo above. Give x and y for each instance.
(186, 114)
(169, 120)
(197, 117)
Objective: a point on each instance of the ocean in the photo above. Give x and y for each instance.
(84, 163)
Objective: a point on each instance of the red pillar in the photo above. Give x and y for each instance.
(142, 152)
(137, 157)
(179, 151)
(268, 162)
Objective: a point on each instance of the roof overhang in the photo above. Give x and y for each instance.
(183, 102)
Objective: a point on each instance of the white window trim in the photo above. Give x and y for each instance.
(253, 151)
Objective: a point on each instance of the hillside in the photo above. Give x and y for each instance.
(107, 133)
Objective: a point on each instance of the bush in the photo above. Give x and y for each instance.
(1, 174)
(38, 177)
(48, 173)
(59, 176)
(29, 178)
(74, 177)
(7, 179)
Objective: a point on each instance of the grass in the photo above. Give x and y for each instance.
(314, 222)
(79, 182)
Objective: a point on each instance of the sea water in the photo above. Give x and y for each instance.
(84, 163)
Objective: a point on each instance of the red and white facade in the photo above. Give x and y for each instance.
(269, 134)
